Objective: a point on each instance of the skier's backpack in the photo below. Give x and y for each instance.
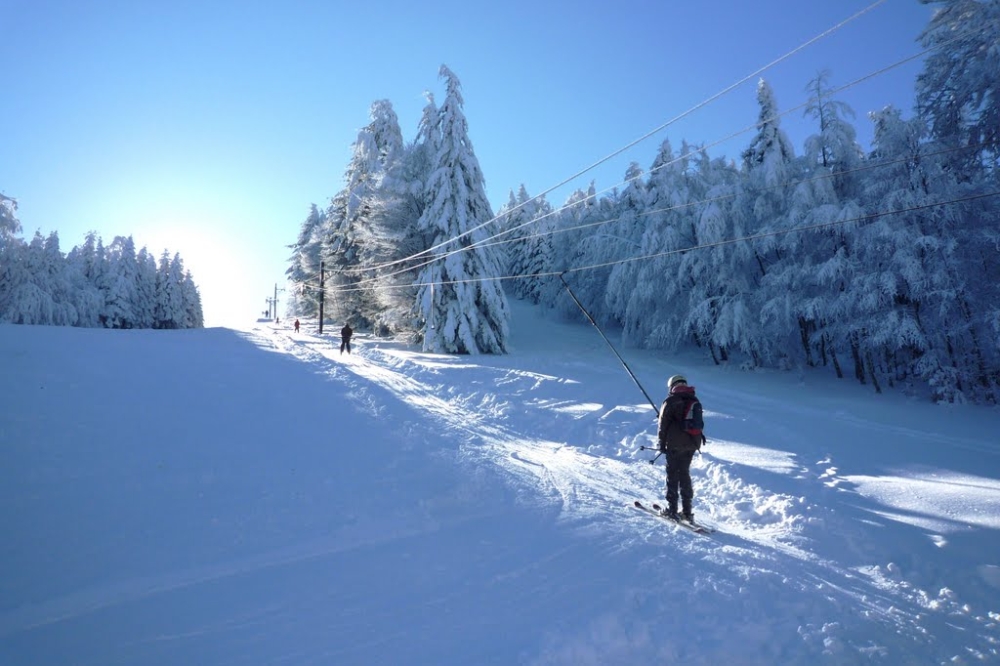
(694, 423)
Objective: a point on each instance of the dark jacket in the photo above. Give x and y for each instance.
(671, 425)
(346, 332)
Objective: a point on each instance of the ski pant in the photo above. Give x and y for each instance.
(679, 478)
(345, 344)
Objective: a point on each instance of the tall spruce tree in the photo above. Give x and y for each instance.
(462, 304)
(527, 224)
(304, 269)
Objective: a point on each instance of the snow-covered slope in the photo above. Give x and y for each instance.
(255, 497)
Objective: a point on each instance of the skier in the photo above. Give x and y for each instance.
(296, 325)
(345, 338)
(678, 445)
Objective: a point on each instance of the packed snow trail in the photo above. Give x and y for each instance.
(535, 420)
(256, 497)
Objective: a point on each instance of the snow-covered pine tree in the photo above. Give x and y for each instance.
(587, 222)
(10, 251)
(705, 275)
(958, 90)
(918, 312)
(622, 238)
(193, 315)
(28, 287)
(512, 218)
(464, 308)
(60, 285)
(377, 150)
(304, 266)
(145, 289)
(801, 285)
(386, 132)
(122, 278)
(388, 232)
(527, 224)
(348, 213)
(663, 285)
(834, 149)
(391, 242)
(86, 265)
(759, 206)
(571, 224)
(170, 306)
(10, 226)
(537, 251)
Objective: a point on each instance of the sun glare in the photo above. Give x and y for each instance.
(215, 265)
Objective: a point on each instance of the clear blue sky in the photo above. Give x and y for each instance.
(208, 127)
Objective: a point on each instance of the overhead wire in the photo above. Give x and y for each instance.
(731, 195)
(485, 242)
(701, 148)
(648, 134)
(703, 246)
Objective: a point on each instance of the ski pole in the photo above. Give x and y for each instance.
(653, 461)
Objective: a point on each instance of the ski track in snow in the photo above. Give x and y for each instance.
(582, 459)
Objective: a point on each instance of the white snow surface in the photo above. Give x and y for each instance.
(234, 497)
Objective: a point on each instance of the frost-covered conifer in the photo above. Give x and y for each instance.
(464, 309)
(304, 269)
(958, 91)
(122, 280)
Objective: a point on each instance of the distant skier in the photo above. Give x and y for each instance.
(679, 443)
(345, 338)
(296, 325)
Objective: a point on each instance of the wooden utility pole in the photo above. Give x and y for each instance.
(322, 265)
(276, 290)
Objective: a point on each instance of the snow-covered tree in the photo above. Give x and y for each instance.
(87, 265)
(811, 265)
(958, 90)
(527, 223)
(386, 132)
(376, 151)
(10, 251)
(9, 224)
(303, 271)
(121, 297)
(35, 288)
(834, 149)
(170, 311)
(464, 308)
(759, 206)
(621, 238)
(935, 247)
(770, 153)
(392, 242)
(347, 214)
(575, 250)
(60, 284)
(193, 316)
(145, 289)
(663, 285)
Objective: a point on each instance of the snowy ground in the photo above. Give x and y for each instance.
(254, 497)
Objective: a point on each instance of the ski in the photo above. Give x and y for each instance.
(657, 511)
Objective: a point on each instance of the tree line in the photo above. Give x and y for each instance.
(92, 285)
(881, 264)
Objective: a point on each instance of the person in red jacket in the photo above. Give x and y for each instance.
(296, 325)
(679, 446)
